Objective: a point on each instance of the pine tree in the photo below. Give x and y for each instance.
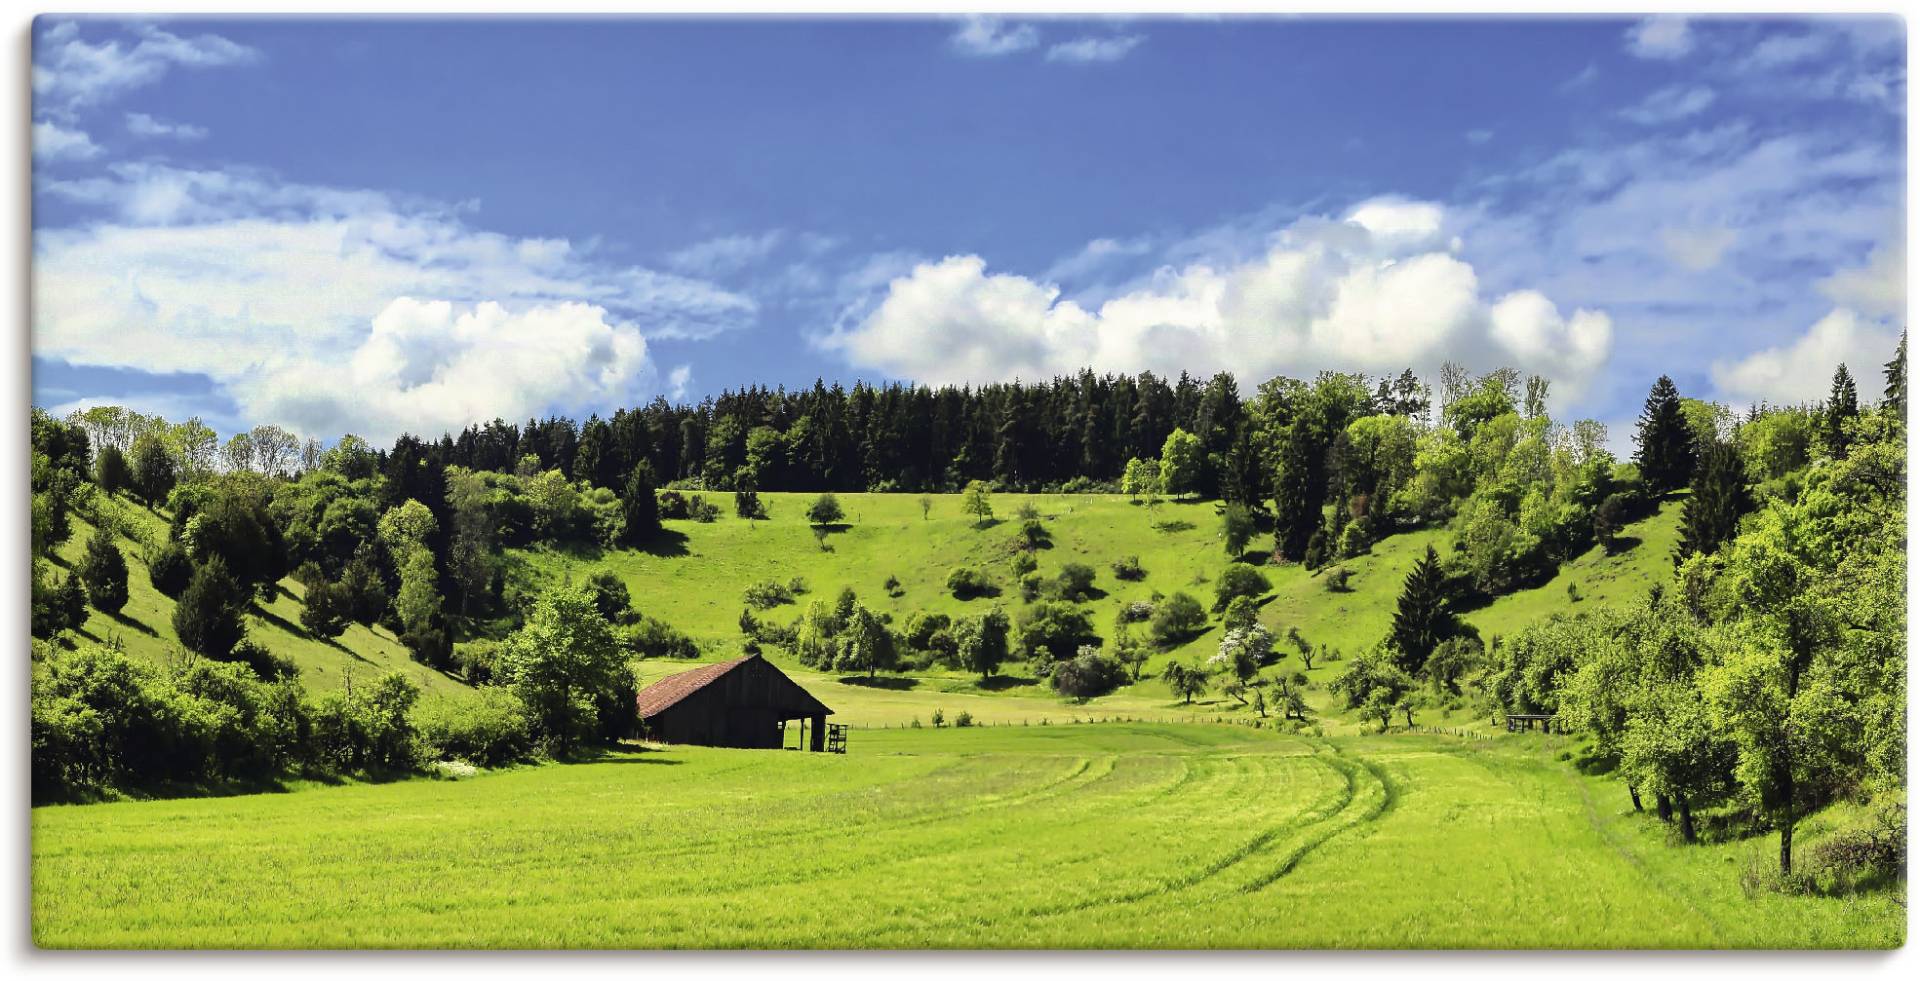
(642, 510)
(110, 470)
(1710, 517)
(1424, 617)
(1896, 393)
(207, 618)
(104, 571)
(1666, 452)
(1843, 405)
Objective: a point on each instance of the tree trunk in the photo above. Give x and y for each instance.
(1634, 792)
(1786, 844)
(1663, 807)
(1686, 820)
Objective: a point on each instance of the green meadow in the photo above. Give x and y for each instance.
(1065, 835)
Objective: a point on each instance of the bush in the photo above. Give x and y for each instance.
(657, 638)
(1054, 629)
(367, 731)
(963, 720)
(1032, 535)
(747, 504)
(1176, 618)
(207, 618)
(939, 718)
(1074, 582)
(104, 571)
(324, 614)
(610, 597)
(1337, 578)
(170, 570)
(1137, 611)
(476, 661)
(1087, 675)
(672, 504)
(825, 510)
(1022, 563)
(489, 728)
(966, 582)
(893, 587)
(1031, 585)
(1128, 569)
(767, 595)
(702, 510)
(1238, 580)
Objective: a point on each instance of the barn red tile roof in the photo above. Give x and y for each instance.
(668, 691)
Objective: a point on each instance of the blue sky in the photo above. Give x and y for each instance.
(376, 225)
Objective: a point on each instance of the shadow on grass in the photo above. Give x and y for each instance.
(886, 683)
(667, 544)
(1622, 544)
(129, 622)
(1172, 527)
(1004, 682)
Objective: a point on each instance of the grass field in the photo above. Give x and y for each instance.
(1182, 835)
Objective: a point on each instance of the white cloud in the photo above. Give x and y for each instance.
(1091, 50)
(1662, 36)
(1697, 249)
(69, 72)
(1880, 287)
(724, 255)
(259, 284)
(1670, 104)
(989, 37)
(52, 142)
(1095, 257)
(1803, 370)
(433, 366)
(150, 127)
(679, 382)
(1377, 291)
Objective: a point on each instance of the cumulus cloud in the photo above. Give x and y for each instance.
(149, 127)
(53, 142)
(1880, 287)
(1092, 50)
(1671, 104)
(1376, 290)
(259, 284)
(1802, 370)
(69, 72)
(1662, 36)
(990, 37)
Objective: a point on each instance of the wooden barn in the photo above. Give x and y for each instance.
(744, 703)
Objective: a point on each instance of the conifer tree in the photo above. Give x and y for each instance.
(641, 509)
(1843, 404)
(1710, 517)
(207, 618)
(110, 470)
(1424, 617)
(104, 571)
(1896, 393)
(1666, 452)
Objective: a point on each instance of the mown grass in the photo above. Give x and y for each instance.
(1038, 836)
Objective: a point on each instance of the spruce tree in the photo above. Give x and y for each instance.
(207, 618)
(1424, 617)
(104, 571)
(1710, 517)
(110, 470)
(641, 509)
(1666, 452)
(1843, 404)
(1896, 393)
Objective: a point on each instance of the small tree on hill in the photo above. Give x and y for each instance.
(1710, 517)
(208, 616)
(561, 664)
(1141, 478)
(110, 470)
(1180, 463)
(866, 644)
(1424, 616)
(325, 613)
(1185, 682)
(104, 571)
(981, 642)
(639, 506)
(825, 510)
(977, 501)
(170, 570)
(1896, 372)
(1236, 528)
(1665, 441)
(152, 470)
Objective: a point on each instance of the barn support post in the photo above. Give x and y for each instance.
(819, 725)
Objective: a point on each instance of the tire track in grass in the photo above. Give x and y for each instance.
(1371, 809)
(1341, 798)
(1634, 861)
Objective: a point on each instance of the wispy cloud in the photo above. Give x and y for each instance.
(1661, 37)
(990, 37)
(1093, 50)
(150, 127)
(725, 255)
(53, 142)
(69, 72)
(1670, 104)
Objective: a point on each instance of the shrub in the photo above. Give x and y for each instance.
(767, 595)
(1074, 581)
(893, 587)
(610, 597)
(207, 618)
(1054, 629)
(963, 720)
(1128, 569)
(324, 614)
(966, 582)
(1337, 578)
(170, 570)
(656, 638)
(1032, 535)
(702, 510)
(489, 728)
(1087, 675)
(673, 504)
(1238, 580)
(1175, 619)
(1022, 563)
(939, 718)
(104, 571)
(923, 631)
(476, 661)
(747, 504)
(1137, 611)
(367, 730)
(1031, 586)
